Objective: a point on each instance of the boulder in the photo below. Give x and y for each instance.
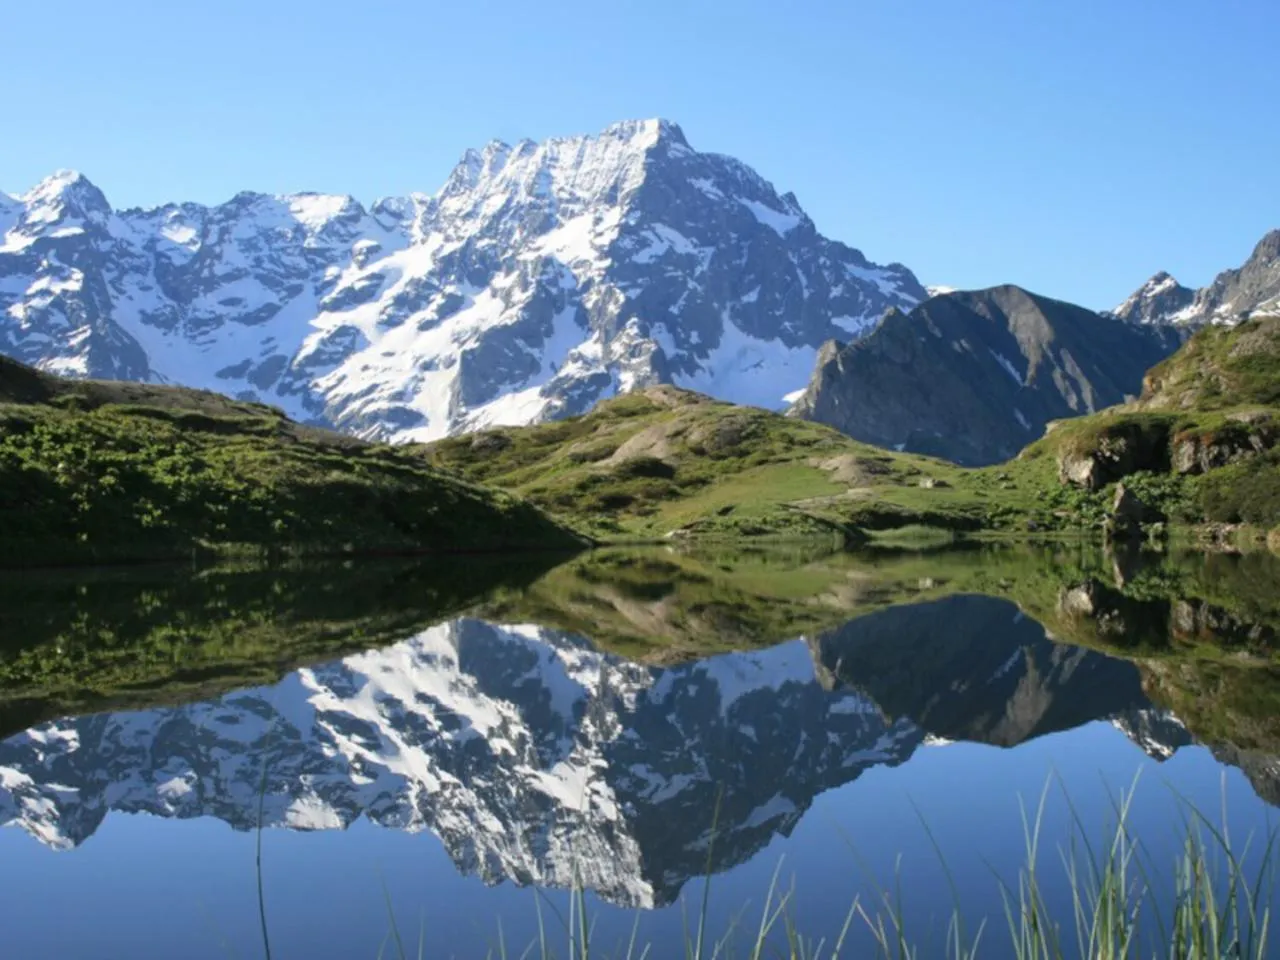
(1128, 515)
(1081, 469)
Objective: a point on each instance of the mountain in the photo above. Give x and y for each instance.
(1233, 296)
(536, 758)
(539, 279)
(1159, 300)
(975, 376)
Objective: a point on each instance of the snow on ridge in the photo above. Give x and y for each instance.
(425, 315)
(746, 370)
(781, 223)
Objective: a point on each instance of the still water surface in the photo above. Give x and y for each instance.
(442, 744)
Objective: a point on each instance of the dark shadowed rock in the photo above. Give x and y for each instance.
(976, 376)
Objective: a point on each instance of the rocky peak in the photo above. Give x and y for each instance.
(1233, 296)
(540, 278)
(975, 376)
(67, 187)
(1267, 250)
(66, 202)
(1158, 300)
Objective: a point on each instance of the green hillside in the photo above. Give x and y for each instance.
(96, 471)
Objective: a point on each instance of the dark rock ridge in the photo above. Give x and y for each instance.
(1234, 295)
(976, 376)
(541, 278)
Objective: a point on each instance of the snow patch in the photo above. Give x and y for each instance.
(746, 370)
(1008, 366)
(779, 222)
(739, 674)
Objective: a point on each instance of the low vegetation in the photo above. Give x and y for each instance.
(93, 472)
(664, 462)
(1199, 447)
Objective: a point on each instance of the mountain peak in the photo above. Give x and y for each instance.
(1268, 248)
(539, 279)
(61, 201)
(1159, 300)
(652, 131)
(617, 146)
(1234, 295)
(974, 376)
(66, 186)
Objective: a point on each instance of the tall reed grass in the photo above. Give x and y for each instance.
(1213, 900)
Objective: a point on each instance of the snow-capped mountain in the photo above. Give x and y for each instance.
(1161, 299)
(539, 279)
(1234, 295)
(536, 758)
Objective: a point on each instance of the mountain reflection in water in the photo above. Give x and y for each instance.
(539, 758)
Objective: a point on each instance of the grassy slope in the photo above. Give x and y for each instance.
(102, 471)
(1198, 393)
(661, 460)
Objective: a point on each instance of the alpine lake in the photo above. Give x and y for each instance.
(637, 749)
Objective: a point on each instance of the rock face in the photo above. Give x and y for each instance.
(976, 376)
(1244, 435)
(539, 279)
(1233, 296)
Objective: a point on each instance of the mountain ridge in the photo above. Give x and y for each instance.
(1234, 295)
(540, 278)
(974, 376)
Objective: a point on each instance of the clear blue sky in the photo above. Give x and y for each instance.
(1073, 147)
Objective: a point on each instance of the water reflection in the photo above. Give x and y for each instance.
(538, 756)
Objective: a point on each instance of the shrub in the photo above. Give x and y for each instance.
(645, 466)
(1247, 492)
